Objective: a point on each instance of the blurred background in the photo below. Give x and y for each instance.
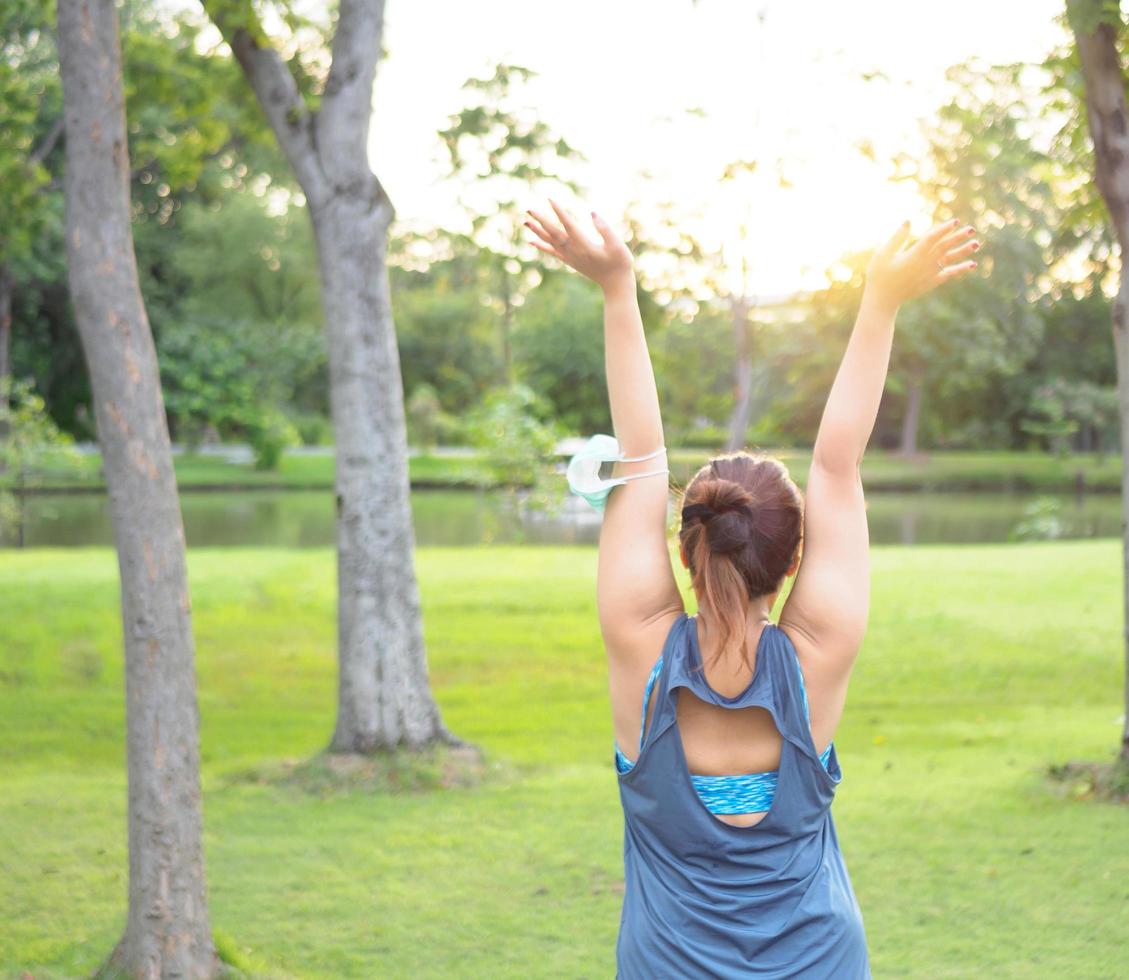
(752, 155)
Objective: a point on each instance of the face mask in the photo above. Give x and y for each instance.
(584, 469)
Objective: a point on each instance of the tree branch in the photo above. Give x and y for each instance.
(278, 95)
(1108, 118)
(344, 119)
(38, 155)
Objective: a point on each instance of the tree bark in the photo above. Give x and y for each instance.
(384, 698)
(167, 932)
(911, 420)
(743, 376)
(1108, 122)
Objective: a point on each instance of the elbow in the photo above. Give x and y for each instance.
(838, 462)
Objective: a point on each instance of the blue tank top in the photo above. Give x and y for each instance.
(749, 792)
(703, 898)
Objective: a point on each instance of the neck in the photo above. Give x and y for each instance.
(757, 613)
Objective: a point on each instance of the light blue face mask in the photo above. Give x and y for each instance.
(584, 469)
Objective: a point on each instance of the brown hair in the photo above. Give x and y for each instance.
(742, 526)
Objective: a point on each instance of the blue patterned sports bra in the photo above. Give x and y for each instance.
(745, 793)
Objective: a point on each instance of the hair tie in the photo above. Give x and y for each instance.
(701, 511)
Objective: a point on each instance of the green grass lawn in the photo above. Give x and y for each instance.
(1010, 471)
(982, 666)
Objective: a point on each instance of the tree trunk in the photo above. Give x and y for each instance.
(1121, 352)
(384, 698)
(911, 420)
(743, 376)
(167, 933)
(1109, 129)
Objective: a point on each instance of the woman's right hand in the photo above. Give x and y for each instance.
(607, 262)
(897, 275)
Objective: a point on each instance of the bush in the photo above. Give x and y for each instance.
(423, 410)
(269, 434)
(511, 427)
(313, 428)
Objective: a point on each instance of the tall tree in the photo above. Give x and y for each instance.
(167, 931)
(323, 124)
(505, 153)
(1099, 32)
(742, 307)
(983, 166)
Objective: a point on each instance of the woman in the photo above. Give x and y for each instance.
(732, 861)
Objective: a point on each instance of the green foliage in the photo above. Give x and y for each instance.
(446, 336)
(313, 428)
(238, 335)
(1084, 224)
(1060, 407)
(515, 434)
(1086, 16)
(505, 155)
(424, 412)
(31, 101)
(559, 351)
(27, 435)
(269, 434)
(1041, 521)
(220, 375)
(195, 129)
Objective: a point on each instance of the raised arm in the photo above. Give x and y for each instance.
(829, 600)
(635, 582)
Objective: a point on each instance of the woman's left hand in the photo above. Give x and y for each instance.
(607, 262)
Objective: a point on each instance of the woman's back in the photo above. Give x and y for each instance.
(706, 898)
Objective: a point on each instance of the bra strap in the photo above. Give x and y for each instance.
(647, 697)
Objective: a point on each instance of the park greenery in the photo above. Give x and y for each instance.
(973, 848)
(268, 297)
(1016, 359)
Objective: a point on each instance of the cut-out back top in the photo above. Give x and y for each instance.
(749, 792)
(706, 898)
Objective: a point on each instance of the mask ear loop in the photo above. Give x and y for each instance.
(636, 476)
(636, 459)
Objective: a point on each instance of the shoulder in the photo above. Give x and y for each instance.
(640, 643)
(819, 657)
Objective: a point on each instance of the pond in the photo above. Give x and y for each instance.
(305, 519)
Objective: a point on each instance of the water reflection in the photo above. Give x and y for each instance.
(301, 519)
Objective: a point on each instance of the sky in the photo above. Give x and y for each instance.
(619, 79)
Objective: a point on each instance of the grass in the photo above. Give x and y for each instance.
(983, 667)
(1006, 471)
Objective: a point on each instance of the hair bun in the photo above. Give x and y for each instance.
(725, 496)
(702, 512)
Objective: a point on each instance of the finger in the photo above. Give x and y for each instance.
(897, 240)
(537, 230)
(553, 232)
(566, 219)
(954, 271)
(605, 230)
(549, 251)
(950, 255)
(931, 238)
(952, 239)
